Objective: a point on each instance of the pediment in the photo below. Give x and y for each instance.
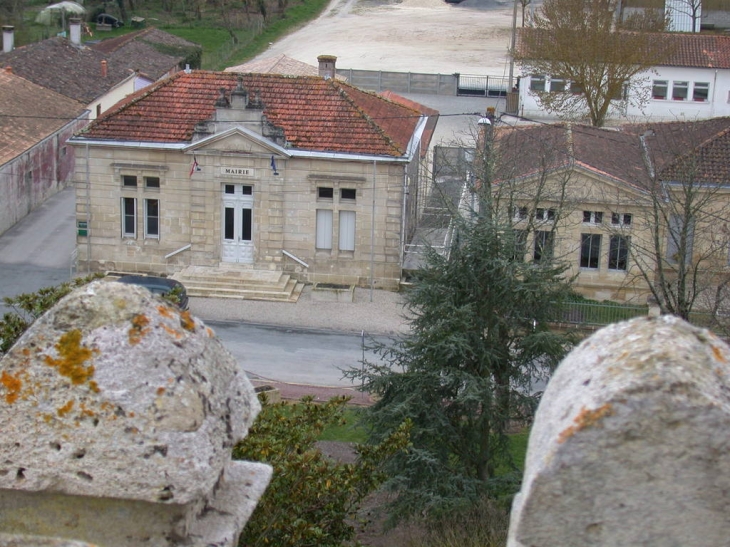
(576, 185)
(239, 141)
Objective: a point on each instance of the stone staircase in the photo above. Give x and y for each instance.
(231, 281)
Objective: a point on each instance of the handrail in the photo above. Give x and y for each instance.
(287, 253)
(181, 249)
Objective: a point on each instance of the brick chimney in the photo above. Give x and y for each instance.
(103, 69)
(327, 66)
(8, 38)
(74, 26)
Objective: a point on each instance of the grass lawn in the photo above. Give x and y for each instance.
(348, 431)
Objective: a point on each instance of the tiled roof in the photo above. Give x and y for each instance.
(698, 50)
(315, 114)
(684, 49)
(676, 150)
(280, 64)
(698, 150)
(30, 113)
(66, 69)
(151, 51)
(433, 116)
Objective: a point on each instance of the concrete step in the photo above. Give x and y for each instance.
(240, 283)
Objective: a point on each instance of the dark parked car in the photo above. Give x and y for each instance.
(106, 19)
(161, 286)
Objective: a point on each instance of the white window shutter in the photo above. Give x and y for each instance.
(324, 229)
(347, 230)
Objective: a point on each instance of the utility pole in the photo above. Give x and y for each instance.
(512, 46)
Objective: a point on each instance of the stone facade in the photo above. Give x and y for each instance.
(283, 207)
(238, 195)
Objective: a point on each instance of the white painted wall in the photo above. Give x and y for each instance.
(113, 96)
(669, 109)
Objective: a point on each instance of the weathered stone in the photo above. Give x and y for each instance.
(630, 444)
(7, 540)
(119, 413)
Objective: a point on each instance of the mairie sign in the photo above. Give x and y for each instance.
(236, 172)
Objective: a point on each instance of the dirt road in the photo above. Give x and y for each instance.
(431, 36)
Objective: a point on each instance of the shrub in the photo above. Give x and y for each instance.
(311, 500)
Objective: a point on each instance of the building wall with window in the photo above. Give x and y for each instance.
(591, 231)
(304, 175)
(35, 160)
(669, 94)
(144, 205)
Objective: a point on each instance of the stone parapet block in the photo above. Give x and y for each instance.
(630, 443)
(119, 413)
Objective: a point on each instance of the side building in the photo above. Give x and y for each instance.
(301, 174)
(35, 161)
(631, 211)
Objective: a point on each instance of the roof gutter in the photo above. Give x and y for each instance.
(337, 156)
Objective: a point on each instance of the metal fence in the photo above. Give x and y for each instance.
(598, 314)
(482, 86)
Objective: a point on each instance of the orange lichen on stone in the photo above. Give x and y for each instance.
(139, 329)
(187, 321)
(160, 390)
(12, 385)
(72, 356)
(209, 332)
(172, 332)
(25, 351)
(165, 311)
(65, 409)
(586, 418)
(85, 411)
(719, 355)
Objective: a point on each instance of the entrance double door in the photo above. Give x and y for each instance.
(237, 219)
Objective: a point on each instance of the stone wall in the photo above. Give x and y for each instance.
(119, 414)
(630, 443)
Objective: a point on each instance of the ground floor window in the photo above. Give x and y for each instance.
(347, 230)
(590, 250)
(324, 229)
(543, 245)
(129, 217)
(618, 253)
(152, 218)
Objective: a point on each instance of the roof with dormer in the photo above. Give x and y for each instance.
(315, 114)
(34, 114)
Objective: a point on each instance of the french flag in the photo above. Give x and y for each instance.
(195, 167)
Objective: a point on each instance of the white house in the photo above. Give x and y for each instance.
(694, 83)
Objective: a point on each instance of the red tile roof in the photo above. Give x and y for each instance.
(676, 150)
(698, 50)
(687, 50)
(315, 114)
(37, 112)
(433, 117)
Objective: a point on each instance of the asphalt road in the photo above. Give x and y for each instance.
(295, 356)
(36, 252)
